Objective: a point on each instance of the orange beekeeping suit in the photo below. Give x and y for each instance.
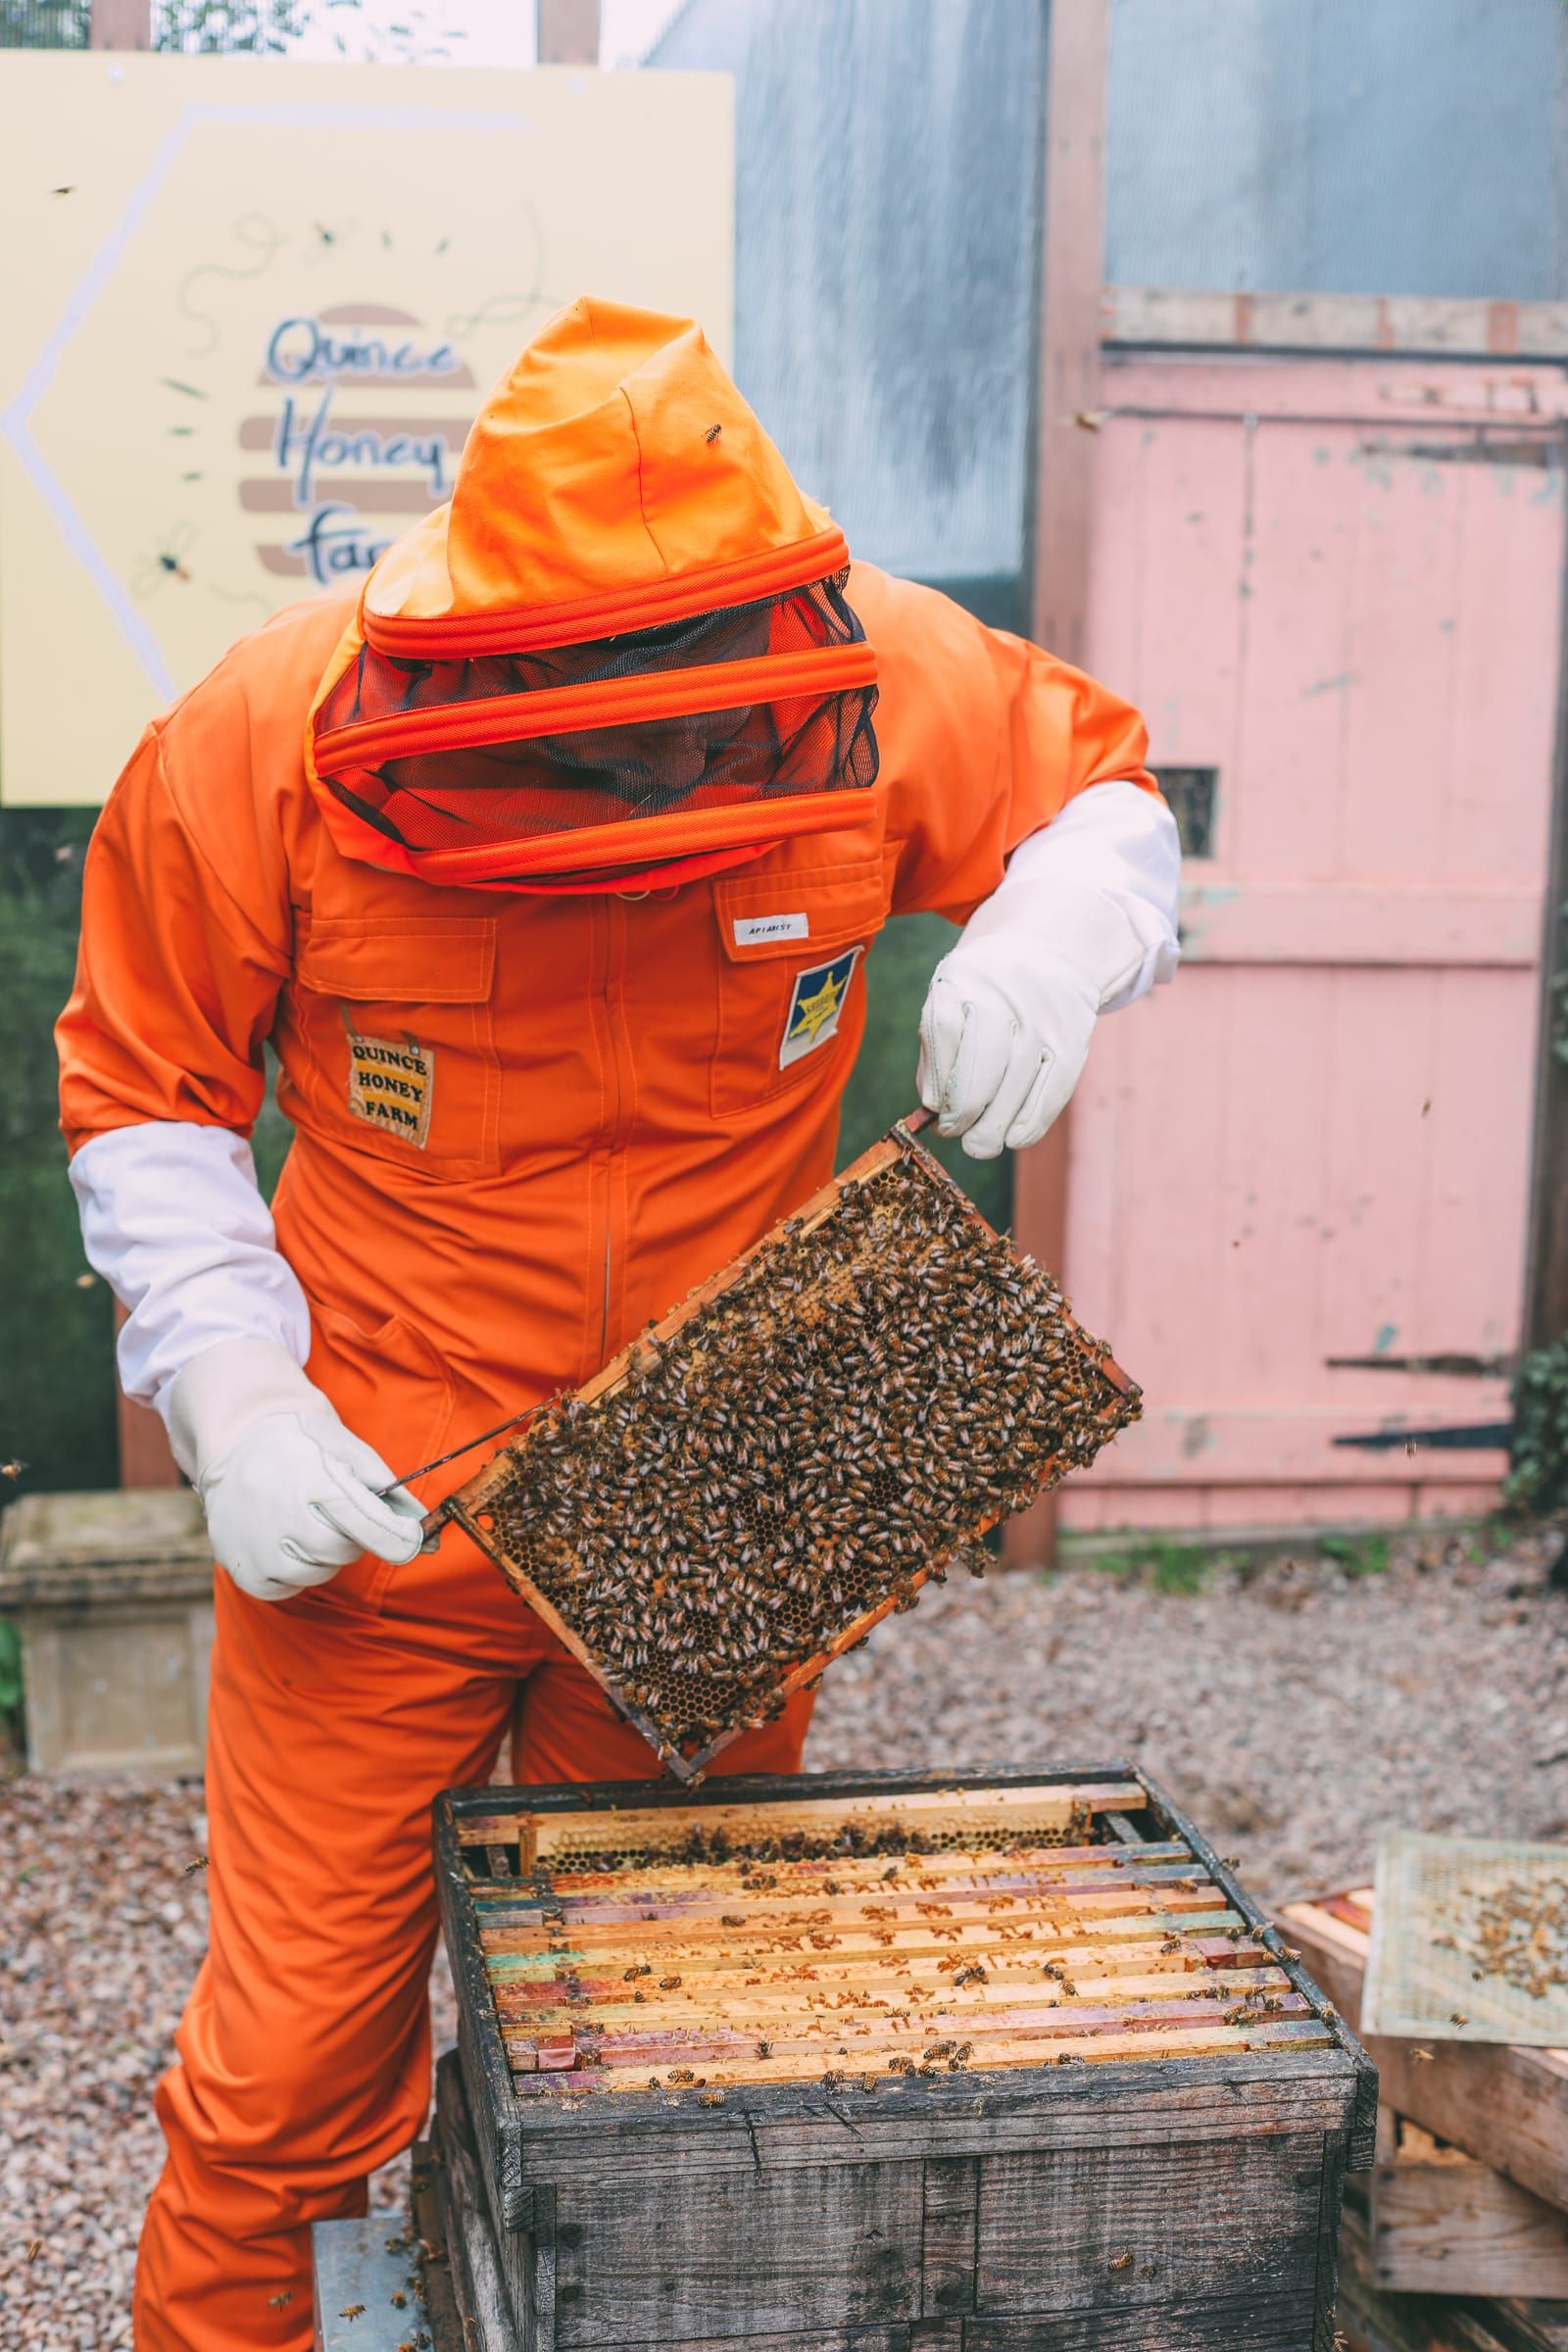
(526, 1120)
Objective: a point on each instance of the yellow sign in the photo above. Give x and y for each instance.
(251, 307)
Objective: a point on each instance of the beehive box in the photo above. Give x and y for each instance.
(792, 1453)
(868, 2064)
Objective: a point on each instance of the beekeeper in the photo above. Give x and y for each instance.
(549, 870)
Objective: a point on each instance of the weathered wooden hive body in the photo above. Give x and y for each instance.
(1006, 2063)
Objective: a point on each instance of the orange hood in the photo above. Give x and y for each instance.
(620, 653)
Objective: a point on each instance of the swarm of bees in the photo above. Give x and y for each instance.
(869, 1392)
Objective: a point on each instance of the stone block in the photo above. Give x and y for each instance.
(112, 1596)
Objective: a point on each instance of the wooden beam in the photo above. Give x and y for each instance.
(1431, 325)
(1066, 401)
(122, 24)
(569, 32)
(1068, 384)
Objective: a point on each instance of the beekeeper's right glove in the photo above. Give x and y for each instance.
(291, 1496)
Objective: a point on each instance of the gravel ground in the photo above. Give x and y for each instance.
(1295, 1712)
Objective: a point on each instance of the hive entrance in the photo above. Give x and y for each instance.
(792, 1452)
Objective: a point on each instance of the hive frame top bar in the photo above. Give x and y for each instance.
(468, 1504)
(797, 2123)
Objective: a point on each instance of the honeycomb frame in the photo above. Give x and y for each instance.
(895, 1307)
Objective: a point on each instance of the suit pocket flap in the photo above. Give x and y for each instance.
(429, 959)
(768, 916)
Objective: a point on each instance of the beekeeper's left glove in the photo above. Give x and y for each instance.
(291, 1496)
(1083, 921)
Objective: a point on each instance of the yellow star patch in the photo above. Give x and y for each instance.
(816, 1001)
(813, 1012)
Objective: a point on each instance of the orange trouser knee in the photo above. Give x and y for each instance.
(304, 2055)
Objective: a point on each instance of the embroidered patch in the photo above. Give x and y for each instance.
(816, 1001)
(390, 1084)
(751, 930)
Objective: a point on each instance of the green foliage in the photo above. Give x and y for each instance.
(45, 24)
(251, 27)
(57, 1396)
(254, 27)
(898, 971)
(10, 1680)
(1161, 1562)
(1356, 1555)
(1537, 1482)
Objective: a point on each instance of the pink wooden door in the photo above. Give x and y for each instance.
(1337, 583)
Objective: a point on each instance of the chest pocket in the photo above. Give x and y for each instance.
(791, 951)
(396, 1040)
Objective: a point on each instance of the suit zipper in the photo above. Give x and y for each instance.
(615, 963)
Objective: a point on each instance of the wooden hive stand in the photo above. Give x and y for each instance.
(883, 2063)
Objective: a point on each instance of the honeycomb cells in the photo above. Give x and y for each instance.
(842, 1420)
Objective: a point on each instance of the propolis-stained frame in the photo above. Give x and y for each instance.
(468, 1505)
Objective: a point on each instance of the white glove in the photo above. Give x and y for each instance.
(290, 1494)
(1082, 921)
(1004, 1037)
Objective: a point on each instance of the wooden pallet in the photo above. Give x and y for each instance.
(1069, 2153)
(1505, 2106)
(479, 1506)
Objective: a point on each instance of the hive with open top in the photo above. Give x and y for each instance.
(790, 1454)
(995, 2062)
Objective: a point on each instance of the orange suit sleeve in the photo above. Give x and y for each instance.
(985, 738)
(184, 943)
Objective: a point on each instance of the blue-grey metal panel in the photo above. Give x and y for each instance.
(1339, 146)
(359, 2266)
(886, 209)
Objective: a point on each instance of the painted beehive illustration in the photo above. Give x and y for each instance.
(1008, 2062)
(792, 1452)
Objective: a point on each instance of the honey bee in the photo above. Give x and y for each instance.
(277, 2302)
(352, 2311)
(1120, 2262)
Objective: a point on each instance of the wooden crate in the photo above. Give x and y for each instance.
(1067, 2154)
(1506, 2106)
(873, 1386)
